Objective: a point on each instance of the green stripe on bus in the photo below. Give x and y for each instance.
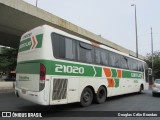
(74, 69)
(116, 82)
(29, 68)
(98, 71)
(130, 74)
(25, 45)
(62, 68)
(39, 40)
(114, 72)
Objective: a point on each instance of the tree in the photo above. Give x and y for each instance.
(8, 59)
(156, 63)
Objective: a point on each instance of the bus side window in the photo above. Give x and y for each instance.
(140, 66)
(70, 52)
(146, 72)
(104, 56)
(114, 59)
(85, 53)
(58, 44)
(124, 62)
(97, 55)
(133, 64)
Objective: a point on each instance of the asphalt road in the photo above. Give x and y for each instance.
(130, 102)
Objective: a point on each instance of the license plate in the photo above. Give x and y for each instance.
(23, 91)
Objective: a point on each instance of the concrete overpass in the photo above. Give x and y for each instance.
(17, 17)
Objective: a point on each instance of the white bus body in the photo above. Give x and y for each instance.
(55, 67)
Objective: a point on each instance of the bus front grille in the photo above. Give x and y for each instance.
(59, 89)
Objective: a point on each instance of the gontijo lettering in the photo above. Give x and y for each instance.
(23, 78)
(31, 42)
(27, 43)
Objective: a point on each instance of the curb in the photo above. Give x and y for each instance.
(6, 90)
(6, 87)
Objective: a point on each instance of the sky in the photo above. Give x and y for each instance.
(114, 20)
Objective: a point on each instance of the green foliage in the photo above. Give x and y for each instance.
(8, 59)
(156, 63)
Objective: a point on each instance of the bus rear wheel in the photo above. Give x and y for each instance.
(101, 95)
(86, 97)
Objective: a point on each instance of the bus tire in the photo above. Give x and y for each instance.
(101, 95)
(86, 97)
(154, 94)
(140, 89)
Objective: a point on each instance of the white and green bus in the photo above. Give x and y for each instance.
(55, 67)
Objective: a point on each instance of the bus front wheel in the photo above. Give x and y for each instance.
(140, 89)
(86, 97)
(101, 95)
